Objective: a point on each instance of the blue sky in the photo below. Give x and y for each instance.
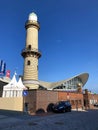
(68, 38)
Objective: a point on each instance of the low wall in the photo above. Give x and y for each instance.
(14, 104)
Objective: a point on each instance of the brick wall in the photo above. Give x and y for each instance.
(45, 99)
(76, 99)
(30, 100)
(42, 99)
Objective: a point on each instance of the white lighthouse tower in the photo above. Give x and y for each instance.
(31, 53)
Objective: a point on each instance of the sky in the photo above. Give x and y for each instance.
(68, 37)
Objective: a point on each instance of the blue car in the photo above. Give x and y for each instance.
(62, 106)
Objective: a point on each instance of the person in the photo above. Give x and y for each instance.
(26, 107)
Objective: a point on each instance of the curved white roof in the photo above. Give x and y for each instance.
(52, 85)
(48, 85)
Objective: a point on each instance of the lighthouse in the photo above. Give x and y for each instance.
(31, 54)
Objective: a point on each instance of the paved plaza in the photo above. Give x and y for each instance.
(75, 120)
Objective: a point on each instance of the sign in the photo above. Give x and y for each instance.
(25, 92)
(67, 95)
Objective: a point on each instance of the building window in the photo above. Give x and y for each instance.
(28, 62)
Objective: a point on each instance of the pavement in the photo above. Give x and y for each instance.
(75, 120)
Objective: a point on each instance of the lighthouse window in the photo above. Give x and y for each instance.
(28, 63)
(29, 47)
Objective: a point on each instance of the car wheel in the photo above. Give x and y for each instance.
(69, 110)
(64, 110)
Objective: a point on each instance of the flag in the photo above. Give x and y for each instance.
(2, 67)
(8, 73)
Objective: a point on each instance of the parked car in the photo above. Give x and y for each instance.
(62, 106)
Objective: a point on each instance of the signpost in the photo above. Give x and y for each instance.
(25, 93)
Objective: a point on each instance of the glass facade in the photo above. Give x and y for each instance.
(71, 84)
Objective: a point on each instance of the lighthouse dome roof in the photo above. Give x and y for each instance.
(32, 16)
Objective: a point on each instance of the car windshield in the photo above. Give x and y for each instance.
(59, 103)
(63, 102)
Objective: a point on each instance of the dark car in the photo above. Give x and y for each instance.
(62, 106)
(96, 105)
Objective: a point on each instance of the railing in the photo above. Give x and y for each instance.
(30, 23)
(31, 50)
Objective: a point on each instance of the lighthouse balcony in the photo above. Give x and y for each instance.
(29, 51)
